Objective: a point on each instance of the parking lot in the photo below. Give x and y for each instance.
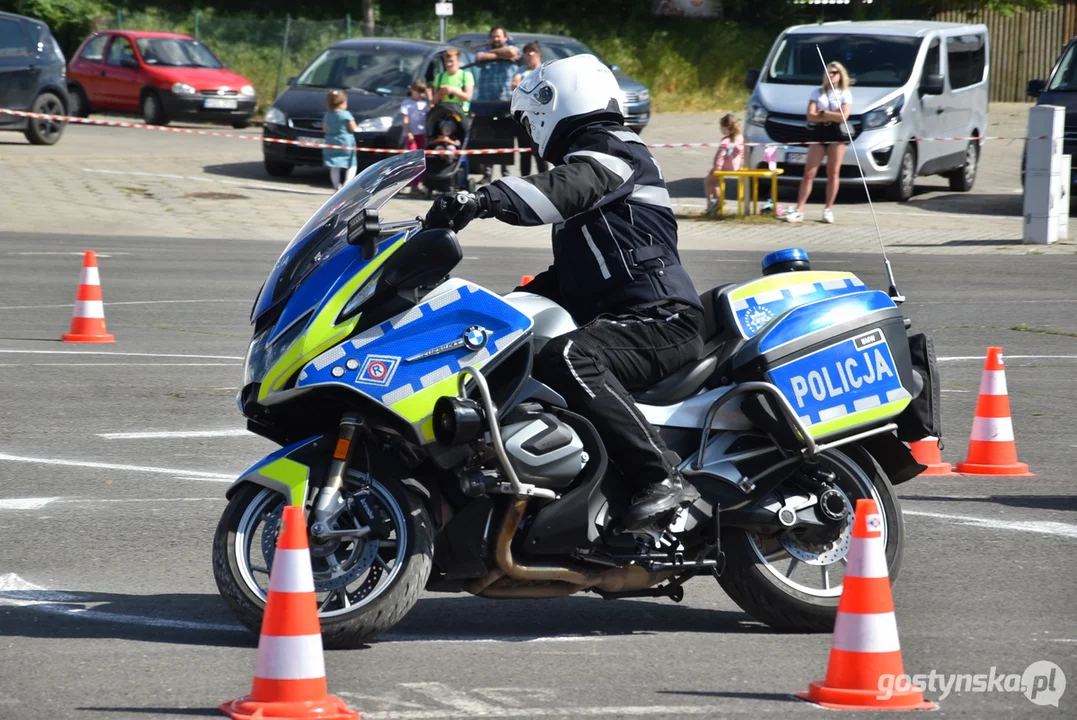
(114, 459)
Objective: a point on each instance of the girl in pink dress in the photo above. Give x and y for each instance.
(730, 156)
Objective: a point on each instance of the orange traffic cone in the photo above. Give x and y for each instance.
(88, 320)
(926, 452)
(865, 669)
(526, 279)
(992, 450)
(289, 677)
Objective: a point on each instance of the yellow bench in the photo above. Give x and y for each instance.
(754, 175)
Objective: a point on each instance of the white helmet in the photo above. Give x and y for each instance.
(563, 95)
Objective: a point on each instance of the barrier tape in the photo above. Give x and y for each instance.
(495, 151)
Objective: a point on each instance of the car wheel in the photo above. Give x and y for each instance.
(153, 110)
(241, 124)
(278, 169)
(902, 188)
(46, 132)
(964, 177)
(78, 103)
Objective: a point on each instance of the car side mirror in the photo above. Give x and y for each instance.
(290, 81)
(1035, 88)
(751, 78)
(129, 63)
(932, 85)
(615, 67)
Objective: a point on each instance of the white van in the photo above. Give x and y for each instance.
(912, 80)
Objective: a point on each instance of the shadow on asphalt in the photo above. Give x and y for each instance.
(194, 712)
(1039, 502)
(203, 620)
(957, 203)
(778, 697)
(301, 176)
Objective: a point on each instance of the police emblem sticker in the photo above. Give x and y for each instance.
(378, 370)
(874, 522)
(475, 338)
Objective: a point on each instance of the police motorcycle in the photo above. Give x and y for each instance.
(427, 458)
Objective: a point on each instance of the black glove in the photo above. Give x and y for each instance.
(455, 210)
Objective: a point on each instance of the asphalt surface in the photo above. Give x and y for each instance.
(108, 607)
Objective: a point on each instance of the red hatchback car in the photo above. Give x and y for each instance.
(164, 76)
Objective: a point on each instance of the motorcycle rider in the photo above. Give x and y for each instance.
(616, 267)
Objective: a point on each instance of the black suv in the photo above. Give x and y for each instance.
(32, 78)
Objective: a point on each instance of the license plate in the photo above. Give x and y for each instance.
(220, 103)
(842, 379)
(795, 158)
(308, 139)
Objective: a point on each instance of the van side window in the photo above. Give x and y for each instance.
(967, 57)
(932, 64)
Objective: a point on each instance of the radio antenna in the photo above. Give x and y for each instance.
(894, 294)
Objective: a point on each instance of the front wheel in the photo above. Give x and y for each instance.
(793, 585)
(962, 179)
(363, 586)
(903, 186)
(153, 110)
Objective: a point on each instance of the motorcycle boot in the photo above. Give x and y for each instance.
(658, 499)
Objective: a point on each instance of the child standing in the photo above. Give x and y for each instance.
(340, 127)
(413, 112)
(730, 156)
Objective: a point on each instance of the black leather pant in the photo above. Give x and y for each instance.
(596, 366)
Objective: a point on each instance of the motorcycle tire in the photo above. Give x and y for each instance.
(349, 630)
(749, 582)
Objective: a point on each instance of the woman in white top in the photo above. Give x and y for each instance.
(828, 105)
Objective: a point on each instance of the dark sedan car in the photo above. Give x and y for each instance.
(32, 78)
(375, 73)
(1060, 88)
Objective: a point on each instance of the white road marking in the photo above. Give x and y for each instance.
(945, 390)
(1010, 357)
(79, 253)
(14, 591)
(176, 472)
(1073, 640)
(25, 503)
(120, 354)
(445, 695)
(614, 711)
(231, 432)
(125, 302)
(1032, 526)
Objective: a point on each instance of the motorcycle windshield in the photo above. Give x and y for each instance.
(326, 232)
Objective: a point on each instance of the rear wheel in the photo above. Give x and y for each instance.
(78, 103)
(46, 132)
(363, 586)
(793, 585)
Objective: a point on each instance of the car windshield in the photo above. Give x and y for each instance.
(872, 61)
(176, 52)
(326, 232)
(1064, 78)
(551, 50)
(374, 69)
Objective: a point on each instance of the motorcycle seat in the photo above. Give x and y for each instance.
(680, 385)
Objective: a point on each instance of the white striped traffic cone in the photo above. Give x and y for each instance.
(289, 677)
(88, 319)
(992, 450)
(865, 648)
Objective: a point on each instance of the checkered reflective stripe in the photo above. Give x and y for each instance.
(755, 311)
(412, 386)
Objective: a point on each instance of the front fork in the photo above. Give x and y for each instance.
(329, 501)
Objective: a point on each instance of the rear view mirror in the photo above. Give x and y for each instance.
(751, 78)
(363, 230)
(129, 63)
(1035, 88)
(932, 85)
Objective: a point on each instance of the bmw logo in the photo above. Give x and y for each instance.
(475, 338)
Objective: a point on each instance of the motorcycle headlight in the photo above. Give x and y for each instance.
(182, 89)
(885, 115)
(275, 116)
(262, 355)
(757, 114)
(378, 124)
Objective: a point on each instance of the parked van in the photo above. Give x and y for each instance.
(912, 80)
